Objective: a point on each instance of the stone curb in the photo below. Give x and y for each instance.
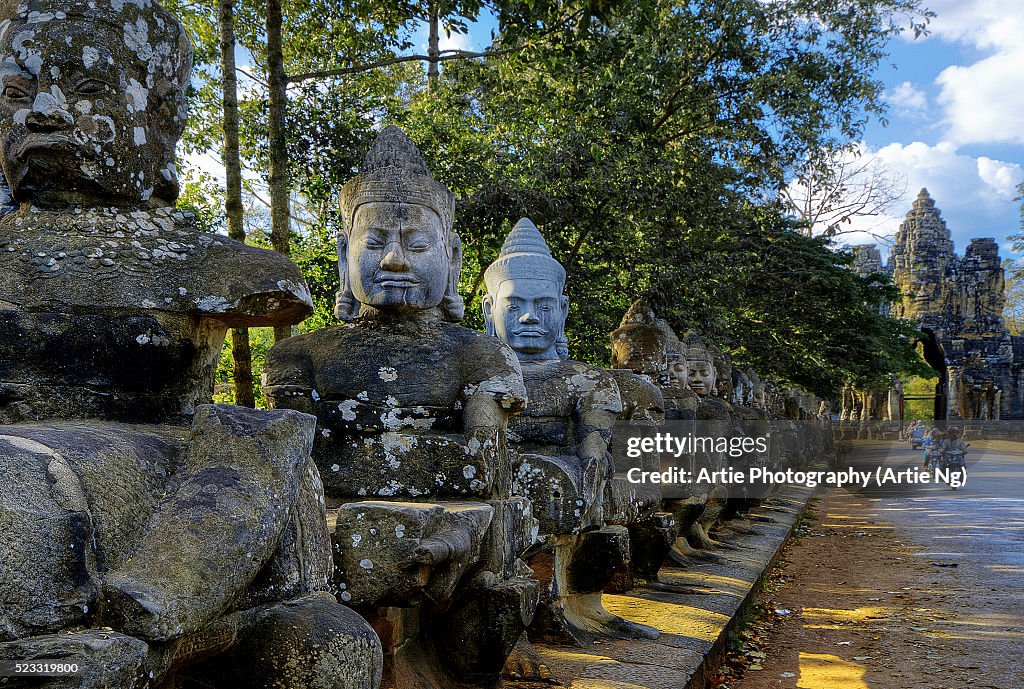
(695, 621)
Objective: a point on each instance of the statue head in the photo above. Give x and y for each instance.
(701, 364)
(397, 252)
(93, 100)
(678, 371)
(639, 342)
(757, 390)
(723, 386)
(525, 306)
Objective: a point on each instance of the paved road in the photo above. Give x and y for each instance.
(980, 529)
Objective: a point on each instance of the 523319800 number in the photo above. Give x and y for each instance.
(38, 668)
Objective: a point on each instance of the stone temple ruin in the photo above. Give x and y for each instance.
(957, 303)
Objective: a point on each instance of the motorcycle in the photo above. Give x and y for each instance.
(952, 463)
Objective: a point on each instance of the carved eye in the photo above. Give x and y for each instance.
(15, 92)
(513, 307)
(91, 87)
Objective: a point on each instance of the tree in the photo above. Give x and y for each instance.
(828, 195)
(277, 176)
(636, 134)
(241, 350)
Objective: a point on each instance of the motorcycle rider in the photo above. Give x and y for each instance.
(931, 444)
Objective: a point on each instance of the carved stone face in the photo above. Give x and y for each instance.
(81, 116)
(397, 257)
(528, 315)
(702, 377)
(678, 371)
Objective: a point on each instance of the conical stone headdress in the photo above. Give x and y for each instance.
(394, 171)
(696, 350)
(641, 331)
(524, 254)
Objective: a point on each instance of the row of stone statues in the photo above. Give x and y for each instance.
(422, 503)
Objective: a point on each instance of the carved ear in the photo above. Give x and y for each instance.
(453, 306)
(487, 304)
(346, 308)
(562, 342)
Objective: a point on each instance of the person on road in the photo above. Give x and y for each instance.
(931, 445)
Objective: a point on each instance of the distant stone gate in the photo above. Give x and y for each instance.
(957, 303)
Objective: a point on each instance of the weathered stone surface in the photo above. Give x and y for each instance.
(639, 355)
(561, 442)
(142, 550)
(413, 408)
(112, 304)
(400, 554)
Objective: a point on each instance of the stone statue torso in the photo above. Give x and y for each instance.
(389, 396)
(559, 392)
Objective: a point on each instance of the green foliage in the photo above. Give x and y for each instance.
(261, 340)
(647, 139)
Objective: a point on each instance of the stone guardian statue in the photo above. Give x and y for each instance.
(148, 536)
(561, 443)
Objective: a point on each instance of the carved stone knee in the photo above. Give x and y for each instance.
(310, 643)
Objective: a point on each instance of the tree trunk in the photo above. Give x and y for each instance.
(280, 212)
(433, 48)
(241, 351)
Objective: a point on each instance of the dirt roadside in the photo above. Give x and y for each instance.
(851, 607)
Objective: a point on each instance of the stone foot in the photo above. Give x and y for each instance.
(587, 621)
(698, 535)
(684, 554)
(525, 664)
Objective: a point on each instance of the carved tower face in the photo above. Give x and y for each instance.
(92, 102)
(397, 257)
(524, 306)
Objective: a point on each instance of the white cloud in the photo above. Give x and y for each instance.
(983, 101)
(456, 41)
(1002, 177)
(975, 195)
(907, 100)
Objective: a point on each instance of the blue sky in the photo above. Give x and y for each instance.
(956, 118)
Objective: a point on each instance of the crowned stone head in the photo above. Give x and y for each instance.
(640, 340)
(701, 364)
(93, 100)
(397, 253)
(525, 306)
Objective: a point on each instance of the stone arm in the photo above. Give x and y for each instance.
(250, 287)
(597, 412)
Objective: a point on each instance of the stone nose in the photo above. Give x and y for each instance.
(48, 115)
(529, 317)
(394, 260)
